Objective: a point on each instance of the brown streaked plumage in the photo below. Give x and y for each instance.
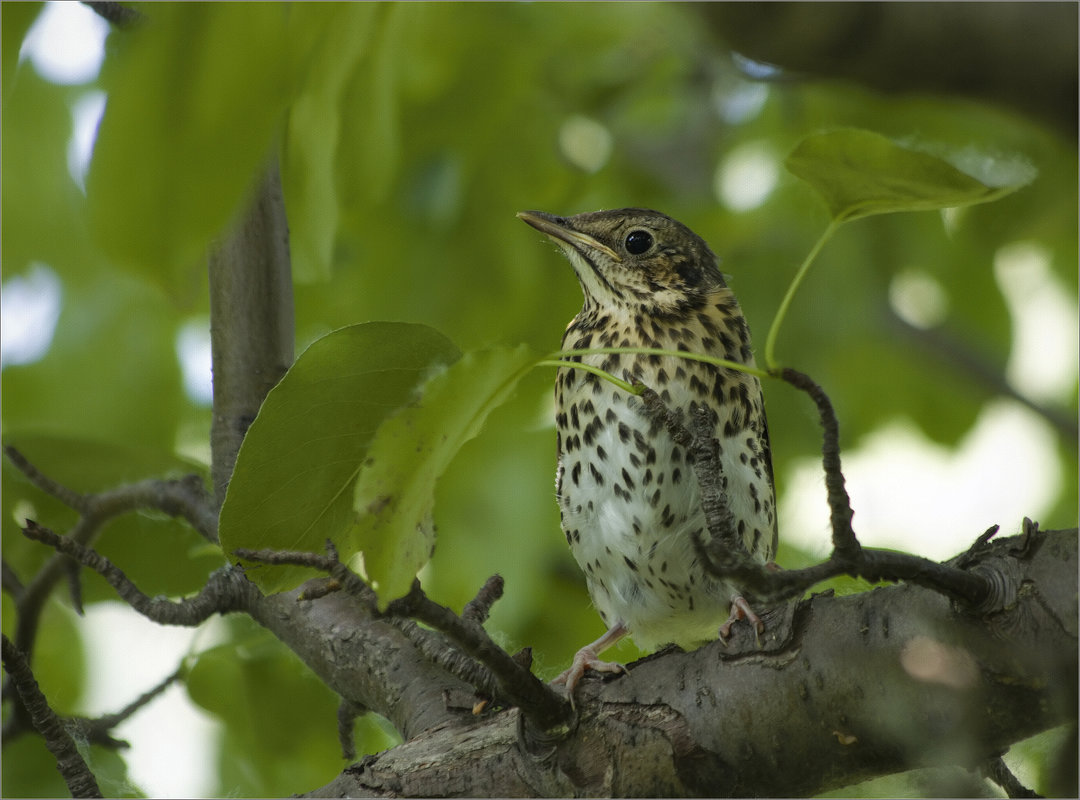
(628, 499)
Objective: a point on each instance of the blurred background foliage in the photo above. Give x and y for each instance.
(409, 135)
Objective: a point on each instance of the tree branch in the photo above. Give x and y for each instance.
(548, 712)
(724, 555)
(960, 688)
(251, 321)
(226, 590)
(80, 780)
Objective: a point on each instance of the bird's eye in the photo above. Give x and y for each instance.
(637, 242)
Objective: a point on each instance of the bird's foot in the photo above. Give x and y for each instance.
(588, 658)
(740, 609)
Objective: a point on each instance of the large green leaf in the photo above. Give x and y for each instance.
(860, 173)
(196, 97)
(292, 486)
(395, 493)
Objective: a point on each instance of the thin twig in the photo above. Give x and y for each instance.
(729, 561)
(844, 542)
(347, 712)
(10, 581)
(80, 780)
(478, 609)
(539, 703)
(349, 580)
(69, 498)
(112, 720)
(226, 589)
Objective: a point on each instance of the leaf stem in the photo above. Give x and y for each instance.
(774, 330)
(557, 359)
(549, 362)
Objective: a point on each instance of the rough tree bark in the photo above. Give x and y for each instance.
(843, 688)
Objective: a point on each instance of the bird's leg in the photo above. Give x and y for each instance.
(740, 609)
(588, 658)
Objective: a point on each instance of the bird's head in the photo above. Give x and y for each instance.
(634, 259)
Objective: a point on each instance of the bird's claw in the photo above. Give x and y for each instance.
(584, 659)
(740, 609)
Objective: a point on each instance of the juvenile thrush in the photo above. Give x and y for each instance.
(628, 498)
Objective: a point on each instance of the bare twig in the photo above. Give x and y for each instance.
(347, 713)
(845, 545)
(349, 580)
(980, 591)
(69, 498)
(80, 780)
(226, 590)
(477, 609)
(185, 498)
(11, 582)
(539, 703)
(110, 721)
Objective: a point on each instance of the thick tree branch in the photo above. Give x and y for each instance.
(934, 686)
(548, 712)
(251, 321)
(1011, 53)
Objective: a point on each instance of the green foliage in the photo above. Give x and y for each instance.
(292, 488)
(270, 748)
(860, 173)
(200, 93)
(395, 491)
(409, 135)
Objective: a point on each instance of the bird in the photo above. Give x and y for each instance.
(629, 502)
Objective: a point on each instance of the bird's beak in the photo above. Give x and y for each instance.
(558, 230)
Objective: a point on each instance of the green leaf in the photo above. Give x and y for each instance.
(860, 173)
(196, 98)
(272, 748)
(311, 144)
(292, 486)
(395, 493)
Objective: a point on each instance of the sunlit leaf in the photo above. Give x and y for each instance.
(860, 173)
(395, 493)
(292, 486)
